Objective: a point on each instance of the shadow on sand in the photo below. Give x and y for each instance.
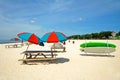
(61, 60)
(56, 61)
(98, 55)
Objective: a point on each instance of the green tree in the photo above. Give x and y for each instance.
(95, 35)
(88, 36)
(100, 35)
(118, 34)
(105, 34)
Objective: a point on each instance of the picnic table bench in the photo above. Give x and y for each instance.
(58, 46)
(53, 48)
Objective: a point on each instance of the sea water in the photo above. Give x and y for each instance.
(7, 41)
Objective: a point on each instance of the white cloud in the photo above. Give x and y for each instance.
(60, 5)
(33, 20)
(80, 19)
(10, 30)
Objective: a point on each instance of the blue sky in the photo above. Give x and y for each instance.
(68, 16)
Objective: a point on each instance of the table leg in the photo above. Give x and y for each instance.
(36, 55)
(52, 54)
(43, 55)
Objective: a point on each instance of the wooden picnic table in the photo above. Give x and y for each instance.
(38, 55)
(13, 45)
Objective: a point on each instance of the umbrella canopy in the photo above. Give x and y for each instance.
(14, 39)
(54, 37)
(30, 37)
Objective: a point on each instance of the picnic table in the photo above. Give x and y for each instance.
(38, 55)
(13, 45)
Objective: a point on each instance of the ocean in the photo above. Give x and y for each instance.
(7, 41)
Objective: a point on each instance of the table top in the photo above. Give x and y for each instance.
(37, 51)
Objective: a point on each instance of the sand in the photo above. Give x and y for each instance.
(70, 65)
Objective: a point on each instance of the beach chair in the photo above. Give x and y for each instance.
(58, 46)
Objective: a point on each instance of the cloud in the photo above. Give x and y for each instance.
(33, 20)
(80, 19)
(60, 5)
(9, 30)
(5, 19)
(22, 9)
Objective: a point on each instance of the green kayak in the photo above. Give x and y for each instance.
(97, 44)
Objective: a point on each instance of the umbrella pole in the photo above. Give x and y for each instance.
(27, 46)
(54, 46)
(53, 51)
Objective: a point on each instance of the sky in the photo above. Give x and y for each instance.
(70, 17)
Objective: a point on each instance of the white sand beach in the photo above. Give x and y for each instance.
(70, 65)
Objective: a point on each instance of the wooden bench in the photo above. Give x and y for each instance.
(36, 59)
(58, 46)
(25, 61)
(53, 48)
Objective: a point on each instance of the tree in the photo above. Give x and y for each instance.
(100, 35)
(118, 34)
(95, 35)
(105, 34)
(88, 36)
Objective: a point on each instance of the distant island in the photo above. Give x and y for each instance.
(99, 35)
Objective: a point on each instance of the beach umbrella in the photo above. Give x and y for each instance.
(30, 37)
(54, 37)
(14, 39)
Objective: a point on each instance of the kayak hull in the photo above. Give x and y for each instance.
(98, 50)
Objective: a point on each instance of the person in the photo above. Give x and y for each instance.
(73, 42)
(64, 43)
(69, 41)
(22, 43)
